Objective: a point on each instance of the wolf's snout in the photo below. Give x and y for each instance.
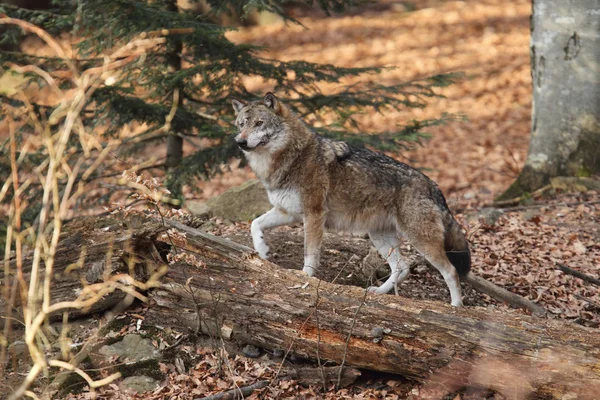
(243, 144)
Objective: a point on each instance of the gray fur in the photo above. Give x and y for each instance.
(330, 184)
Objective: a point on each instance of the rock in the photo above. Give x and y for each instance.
(278, 353)
(421, 268)
(132, 348)
(532, 215)
(138, 384)
(19, 349)
(242, 203)
(198, 208)
(251, 351)
(487, 216)
(377, 334)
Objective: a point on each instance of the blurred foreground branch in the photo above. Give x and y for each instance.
(29, 270)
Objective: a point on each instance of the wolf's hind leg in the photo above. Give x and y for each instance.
(271, 219)
(433, 251)
(388, 246)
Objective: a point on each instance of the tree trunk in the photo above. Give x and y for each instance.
(230, 292)
(175, 47)
(565, 69)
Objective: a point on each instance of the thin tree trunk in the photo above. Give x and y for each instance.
(565, 65)
(175, 47)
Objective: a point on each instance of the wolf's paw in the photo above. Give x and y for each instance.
(263, 250)
(457, 303)
(378, 289)
(308, 270)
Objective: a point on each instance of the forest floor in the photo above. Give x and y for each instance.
(473, 160)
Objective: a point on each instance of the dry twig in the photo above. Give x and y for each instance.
(236, 393)
(579, 275)
(58, 197)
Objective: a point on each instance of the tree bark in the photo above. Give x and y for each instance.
(565, 69)
(89, 252)
(175, 47)
(231, 293)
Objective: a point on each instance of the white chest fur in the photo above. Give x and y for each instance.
(260, 163)
(287, 200)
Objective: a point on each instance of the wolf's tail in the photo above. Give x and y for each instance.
(457, 248)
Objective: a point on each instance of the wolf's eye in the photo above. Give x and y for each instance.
(259, 123)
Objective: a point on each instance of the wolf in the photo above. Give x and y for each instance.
(328, 184)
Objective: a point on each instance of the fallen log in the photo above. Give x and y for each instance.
(230, 292)
(238, 295)
(90, 252)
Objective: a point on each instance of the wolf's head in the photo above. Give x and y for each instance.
(260, 123)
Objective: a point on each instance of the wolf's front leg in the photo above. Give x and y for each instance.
(314, 224)
(271, 219)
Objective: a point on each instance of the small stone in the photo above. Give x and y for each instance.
(490, 215)
(421, 269)
(487, 216)
(278, 353)
(18, 348)
(132, 347)
(251, 351)
(226, 331)
(139, 384)
(377, 332)
(531, 215)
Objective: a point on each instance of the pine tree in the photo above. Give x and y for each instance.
(199, 69)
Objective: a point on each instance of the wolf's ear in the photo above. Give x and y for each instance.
(237, 104)
(271, 102)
